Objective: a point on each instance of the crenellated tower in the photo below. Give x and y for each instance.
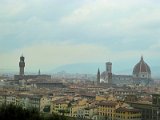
(21, 66)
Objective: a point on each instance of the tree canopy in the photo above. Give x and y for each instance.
(12, 112)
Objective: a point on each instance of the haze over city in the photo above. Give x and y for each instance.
(79, 59)
(53, 34)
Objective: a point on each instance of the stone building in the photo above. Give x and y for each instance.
(22, 75)
(141, 75)
(149, 111)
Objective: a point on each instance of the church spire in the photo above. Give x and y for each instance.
(98, 77)
(39, 72)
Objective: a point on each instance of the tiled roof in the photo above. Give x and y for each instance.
(123, 109)
(141, 67)
(107, 103)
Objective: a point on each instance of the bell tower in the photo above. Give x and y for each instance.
(109, 72)
(21, 66)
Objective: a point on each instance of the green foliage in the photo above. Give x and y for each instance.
(56, 117)
(12, 112)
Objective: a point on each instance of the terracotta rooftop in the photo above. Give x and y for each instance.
(123, 109)
(107, 103)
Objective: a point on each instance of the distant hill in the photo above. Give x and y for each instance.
(87, 68)
(91, 68)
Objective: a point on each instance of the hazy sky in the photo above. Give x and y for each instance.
(52, 33)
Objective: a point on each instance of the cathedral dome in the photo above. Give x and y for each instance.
(141, 70)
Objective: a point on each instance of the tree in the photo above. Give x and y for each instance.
(12, 112)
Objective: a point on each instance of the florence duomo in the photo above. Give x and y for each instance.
(141, 75)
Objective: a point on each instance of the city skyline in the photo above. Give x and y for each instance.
(51, 34)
